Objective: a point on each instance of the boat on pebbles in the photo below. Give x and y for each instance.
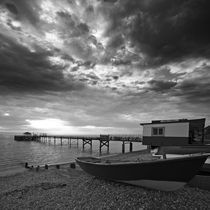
(202, 178)
(146, 170)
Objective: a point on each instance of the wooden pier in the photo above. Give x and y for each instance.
(104, 140)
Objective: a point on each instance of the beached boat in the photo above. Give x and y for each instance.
(160, 174)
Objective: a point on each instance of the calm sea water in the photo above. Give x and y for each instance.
(13, 154)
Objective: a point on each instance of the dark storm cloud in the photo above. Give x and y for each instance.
(70, 25)
(110, 1)
(78, 39)
(161, 86)
(116, 41)
(115, 78)
(164, 30)
(67, 57)
(195, 89)
(12, 8)
(113, 47)
(24, 71)
(164, 73)
(23, 10)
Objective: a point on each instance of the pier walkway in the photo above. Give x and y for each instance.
(104, 140)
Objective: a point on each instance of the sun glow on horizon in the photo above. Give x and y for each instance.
(47, 123)
(57, 126)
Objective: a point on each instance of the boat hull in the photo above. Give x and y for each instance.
(171, 174)
(183, 149)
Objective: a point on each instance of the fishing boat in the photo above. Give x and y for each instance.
(160, 174)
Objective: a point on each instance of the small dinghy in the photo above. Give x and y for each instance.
(161, 174)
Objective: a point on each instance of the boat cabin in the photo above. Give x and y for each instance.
(173, 132)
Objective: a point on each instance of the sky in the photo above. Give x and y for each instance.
(102, 66)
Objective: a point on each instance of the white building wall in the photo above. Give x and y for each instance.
(171, 129)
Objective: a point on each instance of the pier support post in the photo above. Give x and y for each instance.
(131, 146)
(123, 147)
(26, 165)
(69, 142)
(54, 140)
(87, 141)
(61, 141)
(104, 141)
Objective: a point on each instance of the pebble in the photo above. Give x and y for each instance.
(74, 189)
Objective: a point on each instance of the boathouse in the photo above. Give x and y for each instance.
(173, 132)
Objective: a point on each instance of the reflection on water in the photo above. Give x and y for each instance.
(14, 154)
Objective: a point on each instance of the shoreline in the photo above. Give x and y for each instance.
(12, 172)
(16, 170)
(67, 188)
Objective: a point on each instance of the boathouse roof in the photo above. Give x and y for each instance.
(201, 120)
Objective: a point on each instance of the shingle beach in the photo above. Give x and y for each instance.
(67, 188)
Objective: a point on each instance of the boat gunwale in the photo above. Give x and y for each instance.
(140, 163)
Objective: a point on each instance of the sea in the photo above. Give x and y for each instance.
(14, 154)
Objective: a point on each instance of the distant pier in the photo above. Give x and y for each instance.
(104, 140)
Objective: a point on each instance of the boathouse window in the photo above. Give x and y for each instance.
(158, 131)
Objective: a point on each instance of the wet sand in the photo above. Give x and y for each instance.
(67, 188)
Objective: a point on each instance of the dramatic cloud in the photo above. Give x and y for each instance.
(24, 71)
(102, 65)
(195, 89)
(164, 31)
(158, 85)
